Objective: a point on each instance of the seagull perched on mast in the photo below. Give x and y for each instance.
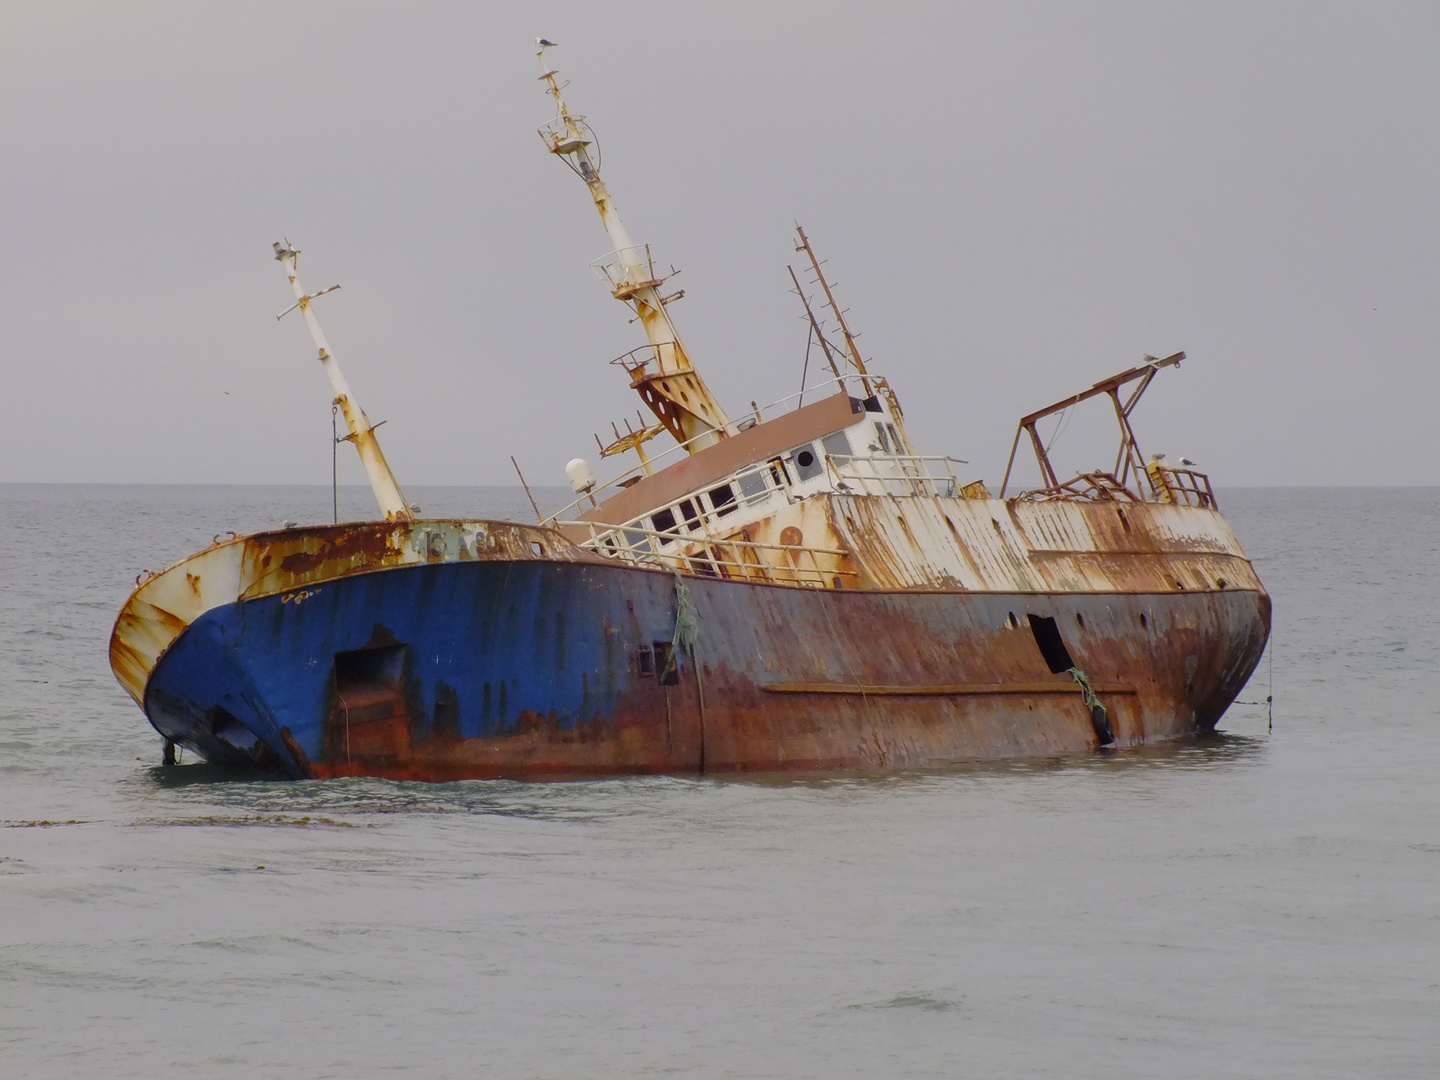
(546, 43)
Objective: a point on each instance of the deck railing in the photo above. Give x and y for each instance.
(632, 361)
(740, 560)
(1185, 487)
(922, 475)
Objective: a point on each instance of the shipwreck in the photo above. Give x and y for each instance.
(791, 588)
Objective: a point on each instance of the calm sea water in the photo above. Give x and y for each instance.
(1257, 904)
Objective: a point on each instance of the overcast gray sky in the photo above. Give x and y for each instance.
(1016, 200)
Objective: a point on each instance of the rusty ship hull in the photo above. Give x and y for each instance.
(452, 650)
(798, 587)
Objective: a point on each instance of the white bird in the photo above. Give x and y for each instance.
(546, 43)
(291, 524)
(1187, 463)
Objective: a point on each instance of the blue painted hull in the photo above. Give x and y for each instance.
(549, 668)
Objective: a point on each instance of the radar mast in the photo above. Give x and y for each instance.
(661, 372)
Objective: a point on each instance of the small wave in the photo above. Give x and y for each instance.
(913, 999)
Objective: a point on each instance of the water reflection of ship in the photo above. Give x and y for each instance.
(796, 589)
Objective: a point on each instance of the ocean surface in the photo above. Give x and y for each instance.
(1261, 903)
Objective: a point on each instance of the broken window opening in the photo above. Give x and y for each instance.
(722, 498)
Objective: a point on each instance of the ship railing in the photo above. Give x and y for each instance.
(637, 472)
(848, 383)
(636, 360)
(619, 481)
(917, 475)
(1185, 487)
(627, 269)
(558, 134)
(730, 559)
(695, 513)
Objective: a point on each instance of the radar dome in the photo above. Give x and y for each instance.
(580, 475)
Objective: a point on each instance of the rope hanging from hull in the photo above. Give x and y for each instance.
(1099, 715)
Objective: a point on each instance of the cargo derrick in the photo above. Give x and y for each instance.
(798, 590)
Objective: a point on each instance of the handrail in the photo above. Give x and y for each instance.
(554, 518)
(733, 428)
(1185, 487)
(713, 557)
(924, 483)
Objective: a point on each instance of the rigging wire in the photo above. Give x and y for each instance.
(805, 371)
(334, 466)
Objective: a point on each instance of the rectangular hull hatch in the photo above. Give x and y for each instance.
(368, 717)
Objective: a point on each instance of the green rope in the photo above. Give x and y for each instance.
(1091, 701)
(687, 624)
(687, 628)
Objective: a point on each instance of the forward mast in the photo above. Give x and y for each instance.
(362, 433)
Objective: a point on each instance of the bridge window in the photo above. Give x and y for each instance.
(722, 498)
(752, 486)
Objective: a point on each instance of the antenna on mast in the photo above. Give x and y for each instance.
(850, 347)
(362, 432)
(814, 324)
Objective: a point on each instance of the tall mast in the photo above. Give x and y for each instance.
(850, 346)
(362, 432)
(662, 374)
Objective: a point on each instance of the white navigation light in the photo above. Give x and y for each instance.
(580, 475)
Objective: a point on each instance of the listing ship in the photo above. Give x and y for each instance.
(795, 589)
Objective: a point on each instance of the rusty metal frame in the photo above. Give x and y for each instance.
(1091, 486)
(1128, 460)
